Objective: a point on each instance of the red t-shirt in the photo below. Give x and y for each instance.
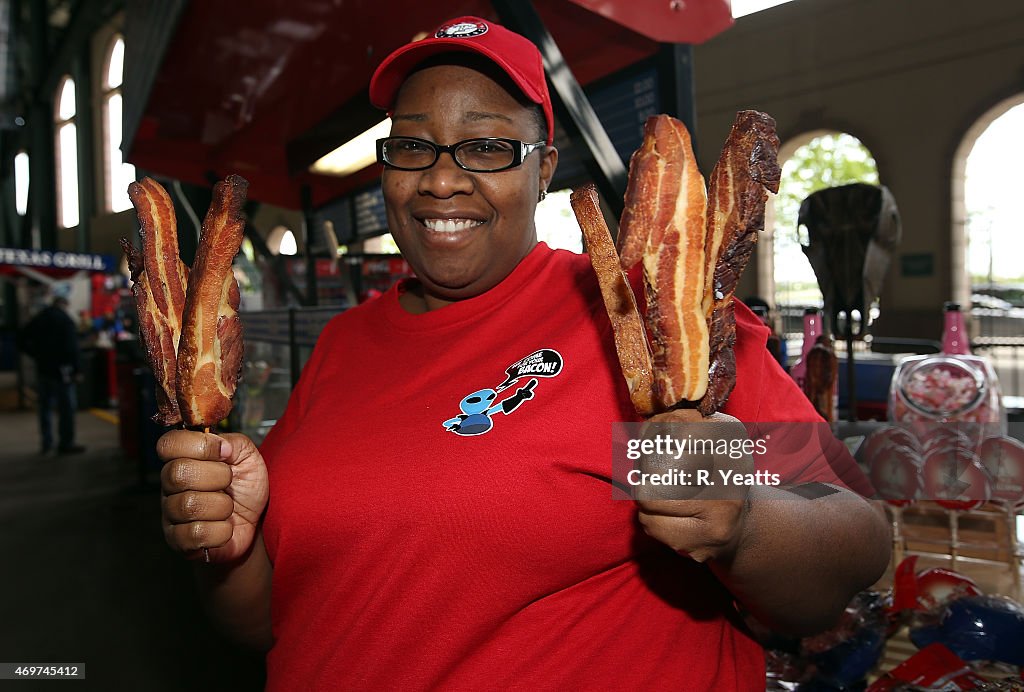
(430, 528)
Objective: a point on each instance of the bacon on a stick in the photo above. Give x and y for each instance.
(693, 244)
(210, 350)
(663, 227)
(737, 193)
(159, 280)
(627, 325)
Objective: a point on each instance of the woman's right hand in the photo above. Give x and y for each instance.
(214, 490)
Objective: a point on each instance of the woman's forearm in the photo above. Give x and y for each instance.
(237, 596)
(801, 558)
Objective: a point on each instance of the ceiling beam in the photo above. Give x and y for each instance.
(572, 108)
(86, 17)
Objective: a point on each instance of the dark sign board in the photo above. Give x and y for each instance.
(622, 104)
(370, 217)
(919, 264)
(56, 259)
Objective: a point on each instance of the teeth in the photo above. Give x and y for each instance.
(450, 225)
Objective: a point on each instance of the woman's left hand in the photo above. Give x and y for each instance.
(705, 521)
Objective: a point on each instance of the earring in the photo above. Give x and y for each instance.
(543, 194)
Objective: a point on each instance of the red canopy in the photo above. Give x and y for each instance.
(265, 88)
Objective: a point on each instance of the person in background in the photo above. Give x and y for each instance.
(776, 342)
(435, 509)
(51, 339)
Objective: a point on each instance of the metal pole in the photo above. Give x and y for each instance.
(676, 84)
(851, 380)
(570, 103)
(308, 221)
(294, 367)
(42, 186)
(86, 151)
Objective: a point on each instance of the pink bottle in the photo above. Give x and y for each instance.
(812, 328)
(955, 339)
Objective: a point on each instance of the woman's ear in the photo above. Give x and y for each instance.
(548, 164)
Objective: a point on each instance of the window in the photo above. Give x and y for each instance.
(21, 183)
(556, 222)
(993, 219)
(281, 241)
(381, 244)
(67, 155)
(986, 237)
(117, 174)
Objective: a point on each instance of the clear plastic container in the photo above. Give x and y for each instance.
(947, 388)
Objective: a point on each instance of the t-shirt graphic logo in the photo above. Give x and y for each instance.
(478, 407)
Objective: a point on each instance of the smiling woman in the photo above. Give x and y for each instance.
(443, 462)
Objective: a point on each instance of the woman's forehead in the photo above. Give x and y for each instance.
(477, 93)
(465, 117)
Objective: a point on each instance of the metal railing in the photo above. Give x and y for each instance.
(1007, 357)
(999, 335)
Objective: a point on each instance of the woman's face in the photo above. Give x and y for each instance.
(463, 232)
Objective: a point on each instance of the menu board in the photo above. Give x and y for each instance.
(623, 105)
(370, 216)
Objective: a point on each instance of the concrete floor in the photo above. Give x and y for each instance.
(86, 577)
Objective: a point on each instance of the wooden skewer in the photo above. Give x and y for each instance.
(206, 551)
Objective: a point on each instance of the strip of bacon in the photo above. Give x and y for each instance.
(738, 191)
(665, 216)
(210, 349)
(627, 325)
(159, 279)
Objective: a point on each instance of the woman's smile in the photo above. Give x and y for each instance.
(450, 225)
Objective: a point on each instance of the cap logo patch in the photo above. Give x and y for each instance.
(462, 30)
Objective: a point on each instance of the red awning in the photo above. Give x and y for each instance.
(264, 91)
(667, 21)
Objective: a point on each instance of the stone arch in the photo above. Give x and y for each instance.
(960, 276)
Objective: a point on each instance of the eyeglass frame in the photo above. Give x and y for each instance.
(519, 153)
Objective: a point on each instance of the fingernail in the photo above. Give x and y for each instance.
(225, 449)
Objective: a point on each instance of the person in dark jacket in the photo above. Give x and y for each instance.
(51, 339)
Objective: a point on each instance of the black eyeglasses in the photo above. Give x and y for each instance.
(479, 155)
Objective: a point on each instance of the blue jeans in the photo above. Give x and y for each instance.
(55, 389)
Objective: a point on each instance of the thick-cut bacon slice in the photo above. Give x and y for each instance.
(210, 349)
(738, 190)
(693, 246)
(159, 279)
(627, 325)
(665, 209)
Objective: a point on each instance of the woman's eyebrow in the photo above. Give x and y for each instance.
(413, 117)
(475, 116)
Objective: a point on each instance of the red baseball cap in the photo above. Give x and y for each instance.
(514, 54)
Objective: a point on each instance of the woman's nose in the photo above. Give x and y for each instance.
(445, 178)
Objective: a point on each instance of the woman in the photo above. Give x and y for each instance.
(440, 505)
